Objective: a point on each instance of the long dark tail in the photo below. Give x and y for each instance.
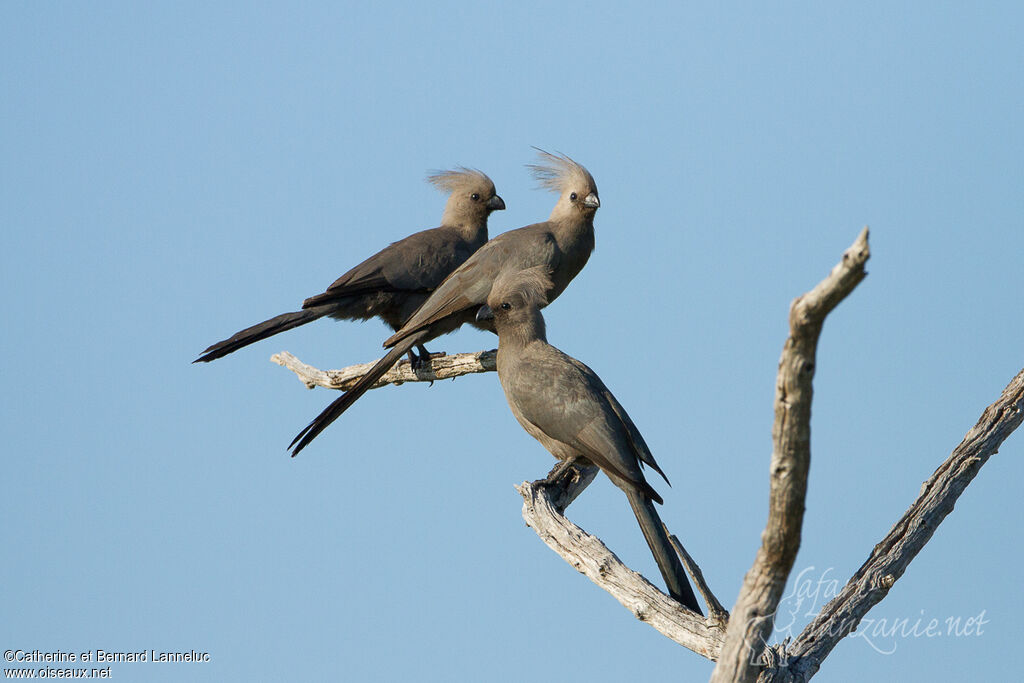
(343, 402)
(267, 328)
(664, 554)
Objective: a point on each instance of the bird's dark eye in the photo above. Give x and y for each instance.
(572, 197)
(506, 306)
(475, 197)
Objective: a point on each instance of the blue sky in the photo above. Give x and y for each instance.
(173, 172)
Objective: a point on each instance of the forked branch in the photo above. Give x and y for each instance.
(891, 556)
(753, 615)
(742, 651)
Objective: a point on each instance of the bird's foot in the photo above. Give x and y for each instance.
(423, 360)
(545, 483)
(556, 475)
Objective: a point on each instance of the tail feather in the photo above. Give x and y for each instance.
(267, 328)
(345, 401)
(664, 554)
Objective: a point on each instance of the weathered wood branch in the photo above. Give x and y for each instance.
(440, 367)
(543, 503)
(890, 558)
(716, 612)
(752, 617)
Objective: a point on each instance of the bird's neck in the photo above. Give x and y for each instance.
(523, 333)
(474, 231)
(574, 234)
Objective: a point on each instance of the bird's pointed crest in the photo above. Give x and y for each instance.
(558, 173)
(451, 180)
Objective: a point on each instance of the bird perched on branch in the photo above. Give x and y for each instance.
(395, 281)
(565, 406)
(562, 244)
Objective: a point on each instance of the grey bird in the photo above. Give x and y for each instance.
(395, 281)
(562, 244)
(565, 406)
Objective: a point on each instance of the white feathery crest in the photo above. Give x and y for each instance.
(558, 173)
(460, 176)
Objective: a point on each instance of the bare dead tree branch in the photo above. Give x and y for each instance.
(753, 615)
(542, 510)
(741, 650)
(440, 367)
(890, 558)
(716, 611)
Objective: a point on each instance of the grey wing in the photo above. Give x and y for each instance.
(573, 409)
(427, 258)
(417, 263)
(469, 286)
(635, 437)
(552, 395)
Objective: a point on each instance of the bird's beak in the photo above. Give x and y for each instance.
(485, 313)
(591, 201)
(496, 203)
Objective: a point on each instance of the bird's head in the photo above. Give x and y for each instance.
(577, 192)
(471, 197)
(515, 301)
